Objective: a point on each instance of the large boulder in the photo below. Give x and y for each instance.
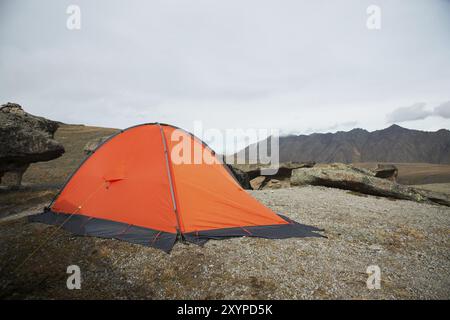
(284, 170)
(257, 176)
(24, 139)
(344, 176)
(261, 178)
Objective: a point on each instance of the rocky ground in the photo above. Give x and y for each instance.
(409, 241)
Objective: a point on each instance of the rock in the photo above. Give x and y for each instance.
(284, 170)
(24, 139)
(257, 182)
(265, 182)
(273, 184)
(386, 171)
(241, 176)
(437, 197)
(258, 176)
(347, 177)
(93, 144)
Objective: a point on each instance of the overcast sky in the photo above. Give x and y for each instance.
(299, 66)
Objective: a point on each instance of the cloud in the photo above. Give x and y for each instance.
(338, 126)
(414, 112)
(417, 111)
(230, 64)
(443, 110)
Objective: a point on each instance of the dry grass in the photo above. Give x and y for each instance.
(416, 173)
(43, 179)
(436, 187)
(73, 138)
(15, 201)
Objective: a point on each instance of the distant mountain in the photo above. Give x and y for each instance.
(393, 144)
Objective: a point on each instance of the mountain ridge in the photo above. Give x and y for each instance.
(391, 144)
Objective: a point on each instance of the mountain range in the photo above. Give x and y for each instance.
(392, 144)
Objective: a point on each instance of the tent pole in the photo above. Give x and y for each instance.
(169, 173)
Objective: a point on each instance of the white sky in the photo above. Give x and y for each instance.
(299, 66)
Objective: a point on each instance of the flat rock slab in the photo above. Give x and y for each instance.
(347, 177)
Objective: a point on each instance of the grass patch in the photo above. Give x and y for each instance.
(73, 138)
(15, 201)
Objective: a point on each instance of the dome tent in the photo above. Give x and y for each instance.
(130, 189)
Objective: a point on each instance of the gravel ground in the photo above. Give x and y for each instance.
(409, 241)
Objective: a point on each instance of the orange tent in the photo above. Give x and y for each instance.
(131, 188)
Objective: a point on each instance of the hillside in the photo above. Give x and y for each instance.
(393, 144)
(74, 138)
